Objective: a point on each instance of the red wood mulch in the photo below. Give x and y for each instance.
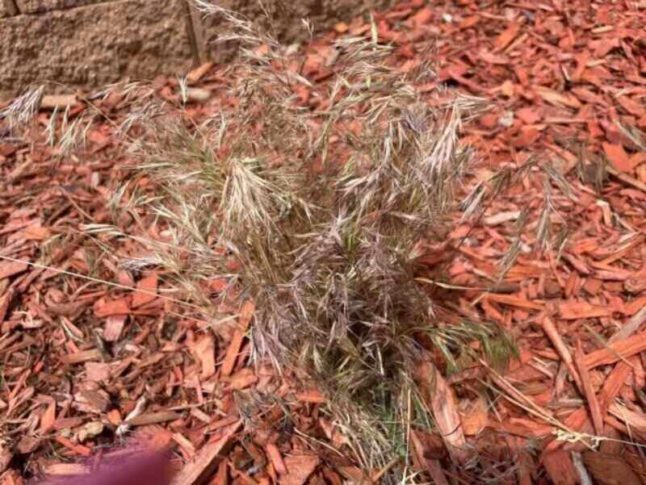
(86, 366)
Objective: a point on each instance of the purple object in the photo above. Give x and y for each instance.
(131, 468)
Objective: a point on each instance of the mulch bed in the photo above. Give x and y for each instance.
(87, 368)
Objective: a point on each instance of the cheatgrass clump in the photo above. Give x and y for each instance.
(316, 212)
(22, 110)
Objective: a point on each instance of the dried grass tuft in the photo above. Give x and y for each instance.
(21, 111)
(320, 212)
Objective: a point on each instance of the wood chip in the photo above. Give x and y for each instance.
(82, 356)
(153, 418)
(5, 301)
(12, 268)
(97, 371)
(107, 308)
(60, 101)
(313, 396)
(447, 418)
(570, 310)
(609, 469)
(633, 325)
(205, 352)
(618, 157)
(501, 218)
(588, 391)
(69, 469)
(246, 314)
(199, 72)
(299, 468)
(560, 468)
(276, 459)
(233, 350)
(515, 301)
(113, 327)
(620, 349)
(505, 38)
(561, 348)
(146, 290)
(242, 379)
(207, 458)
(557, 99)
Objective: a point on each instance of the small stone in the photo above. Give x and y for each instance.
(341, 27)
(507, 119)
(90, 430)
(198, 95)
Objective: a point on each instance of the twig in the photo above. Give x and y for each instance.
(100, 281)
(626, 178)
(552, 333)
(588, 391)
(630, 327)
